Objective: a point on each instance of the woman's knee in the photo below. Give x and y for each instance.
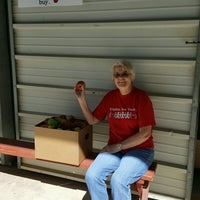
(92, 177)
(89, 176)
(116, 181)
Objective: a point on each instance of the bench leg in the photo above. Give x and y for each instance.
(144, 191)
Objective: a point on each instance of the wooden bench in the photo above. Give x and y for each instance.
(26, 149)
(17, 148)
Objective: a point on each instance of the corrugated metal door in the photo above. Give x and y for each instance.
(56, 46)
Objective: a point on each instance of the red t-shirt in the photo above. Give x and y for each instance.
(126, 114)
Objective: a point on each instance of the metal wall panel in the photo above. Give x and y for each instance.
(56, 46)
(111, 10)
(155, 76)
(58, 101)
(155, 39)
(170, 147)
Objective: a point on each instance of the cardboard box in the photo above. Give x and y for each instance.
(63, 146)
(197, 154)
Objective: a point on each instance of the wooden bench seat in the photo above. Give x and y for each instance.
(26, 149)
(17, 148)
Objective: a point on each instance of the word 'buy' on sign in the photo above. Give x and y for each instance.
(45, 3)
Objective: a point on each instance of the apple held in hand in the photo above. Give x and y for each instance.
(80, 85)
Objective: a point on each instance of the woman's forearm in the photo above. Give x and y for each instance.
(134, 140)
(87, 112)
(137, 139)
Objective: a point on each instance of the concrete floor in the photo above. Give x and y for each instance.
(56, 181)
(81, 186)
(42, 177)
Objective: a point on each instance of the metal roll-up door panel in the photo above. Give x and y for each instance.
(56, 46)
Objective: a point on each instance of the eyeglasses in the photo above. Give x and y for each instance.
(122, 75)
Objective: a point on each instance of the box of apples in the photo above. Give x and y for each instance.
(63, 139)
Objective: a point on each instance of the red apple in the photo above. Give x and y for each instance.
(80, 85)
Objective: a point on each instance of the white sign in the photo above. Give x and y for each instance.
(45, 3)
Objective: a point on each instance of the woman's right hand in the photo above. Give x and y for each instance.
(79, 90)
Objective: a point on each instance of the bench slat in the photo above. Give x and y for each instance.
(17, 148)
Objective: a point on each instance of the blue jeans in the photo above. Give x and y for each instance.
(125, 168)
